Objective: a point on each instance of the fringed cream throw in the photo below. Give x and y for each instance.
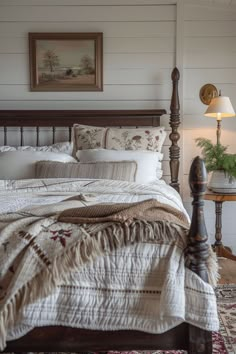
(43, 257)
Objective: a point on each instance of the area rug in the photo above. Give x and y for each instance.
(224, 341)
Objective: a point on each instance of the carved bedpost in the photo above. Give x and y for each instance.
(200, 341)
(174, 135)
(198, 249)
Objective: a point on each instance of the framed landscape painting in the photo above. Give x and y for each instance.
(66, 61)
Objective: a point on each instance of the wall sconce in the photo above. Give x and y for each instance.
(207, 92)
(218, 106)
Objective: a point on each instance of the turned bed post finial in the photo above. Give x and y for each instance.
(198, 249)
(174, 135)
(200, 341)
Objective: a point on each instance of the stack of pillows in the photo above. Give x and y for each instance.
(129, 154)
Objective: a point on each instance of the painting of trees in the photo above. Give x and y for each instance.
(87, 65)
(51, 60)
(66, 61)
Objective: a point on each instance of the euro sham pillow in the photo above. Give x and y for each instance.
(21, 164)
(118, 170)
(148, 162)
(151, 139)
(89, 137)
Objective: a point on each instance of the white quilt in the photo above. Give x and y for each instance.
(142, 286)
(17, 194)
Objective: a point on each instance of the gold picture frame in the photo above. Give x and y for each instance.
(66, 61)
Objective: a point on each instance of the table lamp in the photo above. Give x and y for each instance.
(220, 107)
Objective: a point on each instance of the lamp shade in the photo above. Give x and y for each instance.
(220, 107)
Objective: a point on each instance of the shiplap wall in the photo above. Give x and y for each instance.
(209, 57)
(139, 53)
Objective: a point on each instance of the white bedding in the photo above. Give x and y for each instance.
(136, 287)
(17, 194)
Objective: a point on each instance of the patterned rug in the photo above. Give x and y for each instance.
(224, 341)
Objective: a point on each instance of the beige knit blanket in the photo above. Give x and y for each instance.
(149, 210)
(41, 248)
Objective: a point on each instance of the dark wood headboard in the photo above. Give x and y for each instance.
(66, 118)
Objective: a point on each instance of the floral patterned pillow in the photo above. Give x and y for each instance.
(135, 138)
(88, 137)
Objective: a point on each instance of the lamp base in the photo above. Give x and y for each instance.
(218, 131)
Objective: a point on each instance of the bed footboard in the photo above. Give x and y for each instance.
(200, 341)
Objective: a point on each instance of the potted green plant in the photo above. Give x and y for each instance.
(221, 164)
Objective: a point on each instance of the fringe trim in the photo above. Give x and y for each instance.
(213, 268)
(86, 249)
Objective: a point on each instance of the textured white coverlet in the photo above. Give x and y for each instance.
(135, 288)
(144, 286)
(17, 194)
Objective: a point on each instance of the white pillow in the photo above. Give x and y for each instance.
(149, 165)
(21, 164)
(118, 170)
(65, 147)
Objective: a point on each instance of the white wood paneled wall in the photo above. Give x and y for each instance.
(209, 57)
(139, 53)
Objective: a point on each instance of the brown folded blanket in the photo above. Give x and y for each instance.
(148, 210)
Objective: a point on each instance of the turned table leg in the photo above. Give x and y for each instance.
(218, 246)
(218, 224)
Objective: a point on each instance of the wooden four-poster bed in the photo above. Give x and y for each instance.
(66, 339)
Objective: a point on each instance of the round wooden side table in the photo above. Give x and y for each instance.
(219, 198)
